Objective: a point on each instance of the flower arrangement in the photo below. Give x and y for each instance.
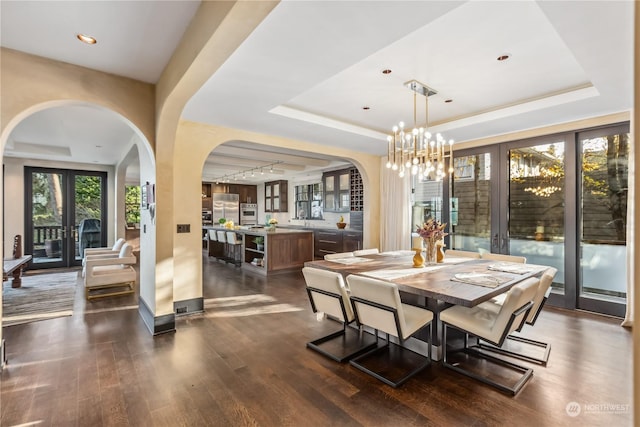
(432, 229)
(229, 225)
(273, 221)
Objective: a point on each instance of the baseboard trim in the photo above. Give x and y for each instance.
(188, 306)
(156, 325)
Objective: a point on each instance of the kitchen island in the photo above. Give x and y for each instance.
(281, 249)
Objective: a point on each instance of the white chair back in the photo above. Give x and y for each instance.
(463, 254)
(232, 238)
(338, 255)
(328, 281)
(222, 238)
(518, 296)
(544, 288)
(502, 257)
(126, 251)
(118, 244)
(213, 236)
(380, 292)
(371, 251)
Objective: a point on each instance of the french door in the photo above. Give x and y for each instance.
(557, 200)
(65, 212)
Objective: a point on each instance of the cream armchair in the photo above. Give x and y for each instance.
(110, 272)
(112, 252)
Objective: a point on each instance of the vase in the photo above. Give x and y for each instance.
(430, 251)
(418, 260)
(440, 252)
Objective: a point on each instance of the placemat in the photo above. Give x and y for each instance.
(509, 267)
(387, 274)
(397, 253)
(481, 279)
(350, 260)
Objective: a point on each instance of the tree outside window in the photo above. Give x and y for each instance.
(132, 204)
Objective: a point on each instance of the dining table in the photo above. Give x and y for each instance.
(455, 281)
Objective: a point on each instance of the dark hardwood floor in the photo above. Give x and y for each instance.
(244, 362)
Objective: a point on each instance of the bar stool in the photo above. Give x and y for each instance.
(211, 238)
(222, 238)
(233, 242)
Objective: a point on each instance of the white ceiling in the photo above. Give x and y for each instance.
(310, 67)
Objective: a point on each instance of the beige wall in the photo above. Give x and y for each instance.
(215, 32)
(31, 82)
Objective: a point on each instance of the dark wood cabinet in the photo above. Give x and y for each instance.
(275, 196)
(351, 241)
(220, 188)
(335, 185)
(247, 193)
(328, 241)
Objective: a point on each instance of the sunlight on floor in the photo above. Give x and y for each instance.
(265, 306)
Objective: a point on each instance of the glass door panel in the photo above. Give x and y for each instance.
(64, 215)
(87, 208)
(603, 225)
(470, 202)
(536, 191)
(45, 229)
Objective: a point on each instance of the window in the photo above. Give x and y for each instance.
(132, 204)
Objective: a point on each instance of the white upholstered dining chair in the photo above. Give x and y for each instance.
(492, 324)
(503, 257)
(338, 255)
(327, 294)
(377, 304)
(371, 251)
(542, 294)
(463, 254)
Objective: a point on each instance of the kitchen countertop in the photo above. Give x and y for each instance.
(261, 231)
(288, 227)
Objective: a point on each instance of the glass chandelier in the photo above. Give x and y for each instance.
(416, 151)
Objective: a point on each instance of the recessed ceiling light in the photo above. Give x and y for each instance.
(503, 57)
(448, 100)
(86, 39)
(386, 71)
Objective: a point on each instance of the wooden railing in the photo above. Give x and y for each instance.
(50, 232)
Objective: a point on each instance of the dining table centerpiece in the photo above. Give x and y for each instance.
(431, 232)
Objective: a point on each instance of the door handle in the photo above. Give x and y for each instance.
(495, 242)
(64, 231)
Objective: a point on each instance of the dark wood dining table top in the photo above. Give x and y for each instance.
(435, 283)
